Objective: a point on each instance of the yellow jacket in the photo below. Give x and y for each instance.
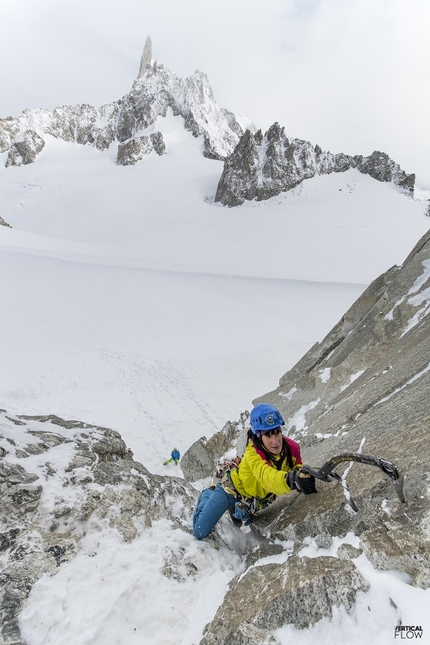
(256, 476)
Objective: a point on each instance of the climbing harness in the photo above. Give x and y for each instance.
(246, 509)
(227, 466)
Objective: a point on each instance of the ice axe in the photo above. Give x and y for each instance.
(326, 472)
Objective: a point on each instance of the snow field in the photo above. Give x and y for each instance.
(162, 588)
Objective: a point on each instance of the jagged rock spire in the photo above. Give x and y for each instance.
(155, 90)
(146, 59)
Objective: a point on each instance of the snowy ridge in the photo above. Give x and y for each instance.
(264, 166)
(155, 91)
(192, 98)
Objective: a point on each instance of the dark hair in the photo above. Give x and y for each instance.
(284, 454)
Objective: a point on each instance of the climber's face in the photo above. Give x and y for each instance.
(272, 441)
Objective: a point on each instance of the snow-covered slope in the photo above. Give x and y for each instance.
(134, 303)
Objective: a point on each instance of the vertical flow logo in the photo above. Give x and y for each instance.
(408, 632)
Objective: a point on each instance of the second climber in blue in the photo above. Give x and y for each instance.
(175, 456)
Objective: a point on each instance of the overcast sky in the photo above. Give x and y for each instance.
(351, 75)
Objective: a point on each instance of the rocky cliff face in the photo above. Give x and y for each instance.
(49, 503)
(155, 91)
(264, 166)
(364, 389)
(25, 148)
(132, 151)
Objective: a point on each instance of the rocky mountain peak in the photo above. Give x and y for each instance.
(263, 166)
(257, 166)
(155, 91)
(146, 59)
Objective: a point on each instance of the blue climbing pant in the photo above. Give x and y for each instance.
(210, 507)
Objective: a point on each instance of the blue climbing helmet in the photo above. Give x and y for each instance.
(265, 417)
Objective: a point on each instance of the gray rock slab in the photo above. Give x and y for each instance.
(299, 592)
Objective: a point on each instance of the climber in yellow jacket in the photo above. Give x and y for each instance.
(270, 466)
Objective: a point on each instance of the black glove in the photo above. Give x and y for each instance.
(302, 482)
